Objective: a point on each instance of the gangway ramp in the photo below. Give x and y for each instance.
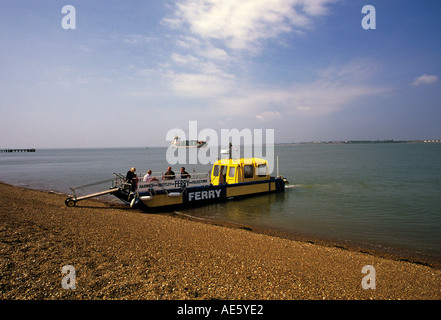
(72, 201)
(97, 194)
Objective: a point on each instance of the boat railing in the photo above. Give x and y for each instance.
(119, 181)
(160, 183)
(162, 176)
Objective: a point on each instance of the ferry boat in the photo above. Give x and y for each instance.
(176, 143)
(228, 179)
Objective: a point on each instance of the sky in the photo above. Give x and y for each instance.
(127, 73)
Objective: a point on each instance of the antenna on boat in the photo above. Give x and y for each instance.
(230, 146)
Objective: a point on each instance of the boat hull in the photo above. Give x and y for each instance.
(192, 196)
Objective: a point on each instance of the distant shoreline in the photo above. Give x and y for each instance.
(358, 142)
(318, 142)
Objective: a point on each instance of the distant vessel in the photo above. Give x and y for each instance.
(187, 143)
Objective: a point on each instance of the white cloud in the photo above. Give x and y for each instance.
(355, 70)
(200, 86)
(208, 65)
(334, 89)
(181, 59)
(245, 24)
(324, 97)
(135, 39)
(425, 79)
(311, 99)
(212, 42)
(213, 53)
(188, 42)
(214, 91)
(269, 116)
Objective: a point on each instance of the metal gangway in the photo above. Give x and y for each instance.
(117, 183)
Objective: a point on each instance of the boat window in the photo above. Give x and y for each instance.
(232, 172)
(215, 171)
(262, 170)
(248, 171)
(223, 174)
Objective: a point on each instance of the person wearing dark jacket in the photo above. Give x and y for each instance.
(132, 179)
(169, 174)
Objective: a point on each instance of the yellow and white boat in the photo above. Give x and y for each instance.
(229, 178)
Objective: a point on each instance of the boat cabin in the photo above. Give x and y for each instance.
(231, 171)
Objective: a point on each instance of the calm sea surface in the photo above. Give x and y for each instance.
(386, 195)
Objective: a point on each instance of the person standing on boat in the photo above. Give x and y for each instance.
(132, 179)
(169, 174)
(184, 174)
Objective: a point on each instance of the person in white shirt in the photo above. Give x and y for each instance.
(149, 177)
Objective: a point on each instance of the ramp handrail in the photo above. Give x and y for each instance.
(74, 189)
(91, 184)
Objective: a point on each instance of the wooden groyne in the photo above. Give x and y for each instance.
(17, 150)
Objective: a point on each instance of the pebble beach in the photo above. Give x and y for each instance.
(121, 253)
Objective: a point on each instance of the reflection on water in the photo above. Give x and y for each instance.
(259, 209)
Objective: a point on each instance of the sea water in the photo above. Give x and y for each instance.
(386, 195)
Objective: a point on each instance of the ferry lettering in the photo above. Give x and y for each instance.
(203, 195)
(181, 183)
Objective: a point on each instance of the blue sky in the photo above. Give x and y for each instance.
(131, 71)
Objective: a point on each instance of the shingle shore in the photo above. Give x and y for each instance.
(120, 253)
